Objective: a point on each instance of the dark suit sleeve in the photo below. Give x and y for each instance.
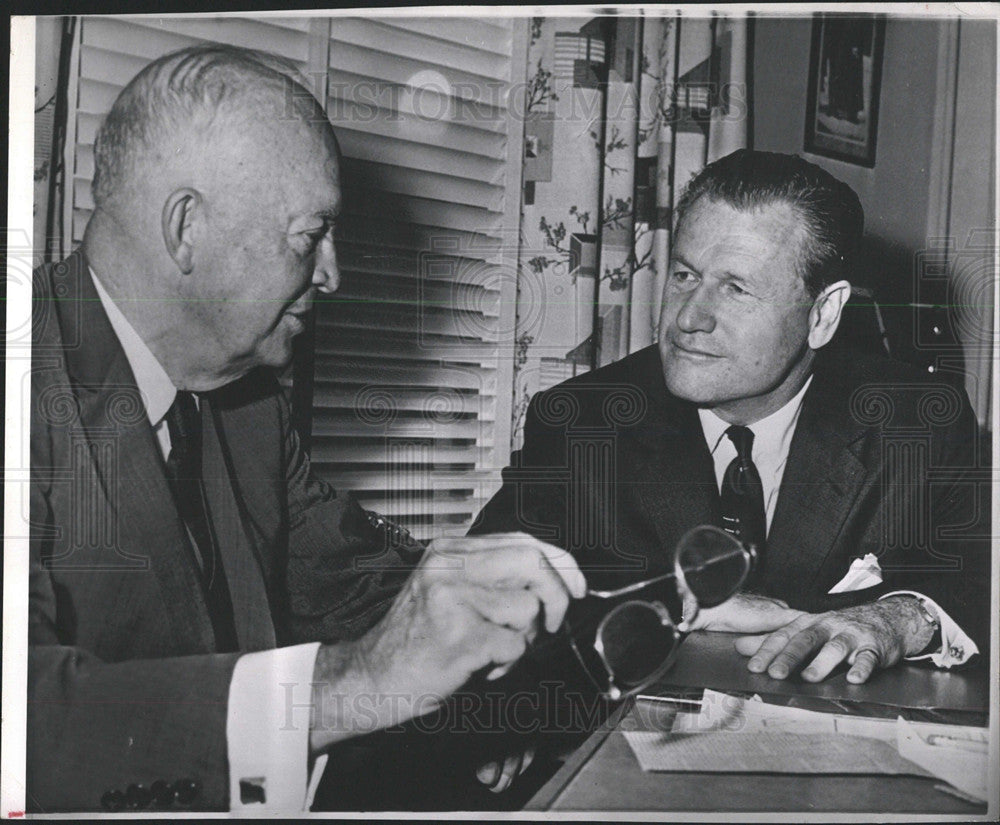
(343, 572)
(954, 569)
(95, 726)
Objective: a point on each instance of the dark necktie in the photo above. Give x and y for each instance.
(742, 494)
(184, 471)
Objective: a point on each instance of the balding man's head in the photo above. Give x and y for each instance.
(217, 187)
(180, 108)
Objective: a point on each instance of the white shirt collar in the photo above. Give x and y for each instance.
(155, 386)
(771, 434)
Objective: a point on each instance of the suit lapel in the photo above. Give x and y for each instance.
(242, 554)
(126, 463)
(823, 477)
(672, 462)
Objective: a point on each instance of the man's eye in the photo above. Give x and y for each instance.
(683, 276)
(736, 289)
(314, 238)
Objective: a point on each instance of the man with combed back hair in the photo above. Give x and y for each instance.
(199, 631)
(861, 481)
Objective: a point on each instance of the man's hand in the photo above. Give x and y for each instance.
(872, 635)
(498, 775)
(742, 613)
(472, 603)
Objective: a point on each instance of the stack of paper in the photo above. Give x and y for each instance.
(792, 740)
(766, 752)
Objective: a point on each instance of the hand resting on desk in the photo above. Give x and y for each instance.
(878, 634)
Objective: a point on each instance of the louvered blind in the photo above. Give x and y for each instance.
(414, 353)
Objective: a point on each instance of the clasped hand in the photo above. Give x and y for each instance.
(472, 605)
(868, 636)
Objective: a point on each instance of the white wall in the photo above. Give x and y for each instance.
(935, 154)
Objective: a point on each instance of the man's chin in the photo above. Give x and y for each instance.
(278, 353)
(694, 388)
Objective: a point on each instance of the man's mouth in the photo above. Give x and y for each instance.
(301, 308)
(693, 352)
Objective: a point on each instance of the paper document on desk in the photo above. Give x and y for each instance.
(958, 755)
(767, 752)
(720, 711)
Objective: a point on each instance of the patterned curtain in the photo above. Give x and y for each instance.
(621, 111)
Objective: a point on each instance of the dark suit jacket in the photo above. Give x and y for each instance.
(882, 461)
(124, 683)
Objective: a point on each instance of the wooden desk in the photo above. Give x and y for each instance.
(603, 774)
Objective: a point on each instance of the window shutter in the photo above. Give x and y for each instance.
(414, 353)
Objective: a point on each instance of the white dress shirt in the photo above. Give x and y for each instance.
(772, 436)
(267, 722)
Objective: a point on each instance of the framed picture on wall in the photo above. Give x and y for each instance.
(845, 73)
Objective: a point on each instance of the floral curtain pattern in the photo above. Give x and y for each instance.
(621, 112)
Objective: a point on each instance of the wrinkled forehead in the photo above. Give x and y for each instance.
(767, 213)
(776, 228)
(767, 244)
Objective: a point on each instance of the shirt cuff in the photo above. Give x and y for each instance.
(956, 646)
(267, 731)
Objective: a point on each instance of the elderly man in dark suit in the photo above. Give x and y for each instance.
(859, 480)
(181, 551)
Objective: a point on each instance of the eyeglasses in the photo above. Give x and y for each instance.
(636, 641)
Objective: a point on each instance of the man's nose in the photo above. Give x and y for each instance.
(696, 313)
(326, 273)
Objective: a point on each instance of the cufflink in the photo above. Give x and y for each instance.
(928, 615)
(252, 790)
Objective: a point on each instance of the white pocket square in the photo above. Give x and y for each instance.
(863, 573)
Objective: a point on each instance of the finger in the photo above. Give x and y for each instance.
(511, 768)
(689, 610)
(798, 649)
(557, 560)
(565, 566)
(748, 645)
(528, 758)
(503, 648)
(521, 566)
(831, 655)
(514, 609)
(742, 613)
(489, 773)
(865, 662)
(497, 672)
(775, 643)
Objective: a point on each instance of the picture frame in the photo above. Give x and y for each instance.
(845, 78)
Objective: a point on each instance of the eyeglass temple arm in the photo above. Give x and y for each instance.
(749, 549)
(629, 588)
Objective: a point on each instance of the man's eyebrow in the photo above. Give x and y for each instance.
(680, 260)
(330, 213)
(326, 215)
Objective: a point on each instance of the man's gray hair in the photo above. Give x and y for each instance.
(187, 90)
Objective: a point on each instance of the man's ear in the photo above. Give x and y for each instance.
(180, 212)
(824, 317)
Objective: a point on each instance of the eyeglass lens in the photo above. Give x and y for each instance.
(636, 642)
(713, 564)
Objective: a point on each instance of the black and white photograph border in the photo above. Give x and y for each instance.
(512, 193)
